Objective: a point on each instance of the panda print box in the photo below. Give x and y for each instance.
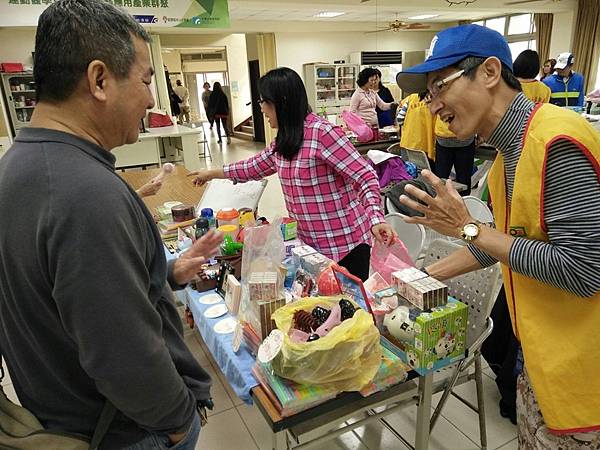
(428, 340)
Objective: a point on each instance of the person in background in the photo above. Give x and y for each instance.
(453, 152)
(417, 126)
(218, 108)
(525, 68)
(547, 235)
(89, 323)
(174, 99)
(548, 68)
(566, 86)
(384, 118)
(330, 190)
(183, 93)
(205, 97)
(365, 100)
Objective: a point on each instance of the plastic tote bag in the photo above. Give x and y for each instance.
(363, 132)
(346, 359)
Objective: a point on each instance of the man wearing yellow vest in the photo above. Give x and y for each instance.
(417, 122)
(545, 192)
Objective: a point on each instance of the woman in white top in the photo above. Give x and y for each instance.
(365, 100)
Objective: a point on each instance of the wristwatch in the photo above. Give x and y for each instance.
(470, 231)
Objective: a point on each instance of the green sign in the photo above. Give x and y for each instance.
(150, 13)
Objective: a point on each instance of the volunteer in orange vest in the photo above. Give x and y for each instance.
(417, 122)
(526, 67)
(546, 196)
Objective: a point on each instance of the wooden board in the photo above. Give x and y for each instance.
(177, 186)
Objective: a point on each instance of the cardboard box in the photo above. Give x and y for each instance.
(428, 340)
(426, 293)
(299, 252)
(259, 313)
(233, 293)
(289, 229)
(315, 264)
(401, 278)
(263, 286)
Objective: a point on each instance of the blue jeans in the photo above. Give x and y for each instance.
(160, 441)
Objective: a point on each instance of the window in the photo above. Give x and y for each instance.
(518, 29)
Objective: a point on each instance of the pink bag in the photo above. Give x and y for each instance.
(363, 132)
(386, 260)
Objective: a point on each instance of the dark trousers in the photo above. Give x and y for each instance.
(461, 158)
(357, 261)
(221, 120)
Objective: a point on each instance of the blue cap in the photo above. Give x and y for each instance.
(452, 45)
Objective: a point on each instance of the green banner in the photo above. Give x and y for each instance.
(150, 13)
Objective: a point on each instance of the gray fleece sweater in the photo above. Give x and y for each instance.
(86, 313)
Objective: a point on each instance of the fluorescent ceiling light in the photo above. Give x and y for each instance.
(329, 14)
(424, 16)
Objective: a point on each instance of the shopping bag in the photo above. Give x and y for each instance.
(388, 259)
(157, 120)
(364, 133)
(346, 359)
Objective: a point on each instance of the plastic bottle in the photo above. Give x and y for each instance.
(202, 227)
(209, 215)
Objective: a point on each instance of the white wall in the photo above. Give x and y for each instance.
(563, 30)
(296, 49)
(17, 45)
(251, 46)
(172, 59)
(237, 64)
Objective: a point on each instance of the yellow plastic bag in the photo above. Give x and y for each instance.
(346, 359)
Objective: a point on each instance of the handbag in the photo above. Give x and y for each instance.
(157, 120)
(21, 430)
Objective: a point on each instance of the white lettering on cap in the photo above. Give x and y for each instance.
(432, 46)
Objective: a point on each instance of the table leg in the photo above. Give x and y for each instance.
(280, 441)
(424, 411)
(191, 158)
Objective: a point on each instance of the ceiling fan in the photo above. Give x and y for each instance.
(398, 25)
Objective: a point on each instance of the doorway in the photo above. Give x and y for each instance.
(257, 115)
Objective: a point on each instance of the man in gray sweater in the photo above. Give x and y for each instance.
(86, 311)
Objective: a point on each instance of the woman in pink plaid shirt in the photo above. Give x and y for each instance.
(331, 191)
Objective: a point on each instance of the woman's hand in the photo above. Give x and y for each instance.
(384, 233)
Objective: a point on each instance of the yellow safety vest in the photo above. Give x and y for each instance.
(559, 331)
(417, 131)
(536, 91)
(441, 129)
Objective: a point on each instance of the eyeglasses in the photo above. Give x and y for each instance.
(438, 86)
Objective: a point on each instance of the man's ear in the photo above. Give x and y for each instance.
(491, 71)
(98, 77)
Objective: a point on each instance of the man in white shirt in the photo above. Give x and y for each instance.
(183, 93)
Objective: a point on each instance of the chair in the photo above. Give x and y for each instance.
(478, 209)
(412, 235)
(202, 140)
(478, 290)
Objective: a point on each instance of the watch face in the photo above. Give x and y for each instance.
(471, 230)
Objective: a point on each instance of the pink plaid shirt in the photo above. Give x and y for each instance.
(331, 191)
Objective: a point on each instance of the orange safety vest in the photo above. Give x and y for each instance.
(559, 331)
(417, 131)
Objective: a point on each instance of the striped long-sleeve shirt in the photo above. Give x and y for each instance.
(569, 260)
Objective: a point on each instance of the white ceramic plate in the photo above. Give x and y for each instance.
(225, 326)
(215, 311)
(211, 299)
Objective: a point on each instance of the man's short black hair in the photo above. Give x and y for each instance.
(471, 63)
(364, 75)
(527, 65)
(73, 33)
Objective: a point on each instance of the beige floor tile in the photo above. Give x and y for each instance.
(445, 435)
(512, 445)
(225, 431)
(499, 429)
(220, 397)
(376, 436)
(253, 418)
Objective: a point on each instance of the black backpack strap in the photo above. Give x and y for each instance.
(106, 417)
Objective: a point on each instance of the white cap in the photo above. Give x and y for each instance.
(564, 60)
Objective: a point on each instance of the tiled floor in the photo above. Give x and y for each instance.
(234, 425)
(457, 429)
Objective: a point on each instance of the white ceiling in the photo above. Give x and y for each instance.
(382, 10)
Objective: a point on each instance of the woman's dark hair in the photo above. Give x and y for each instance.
(378, 73)
(283, 88)
(206, 84)
(364, 75)
(471, 63)
(527, 65)
(217, 87)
